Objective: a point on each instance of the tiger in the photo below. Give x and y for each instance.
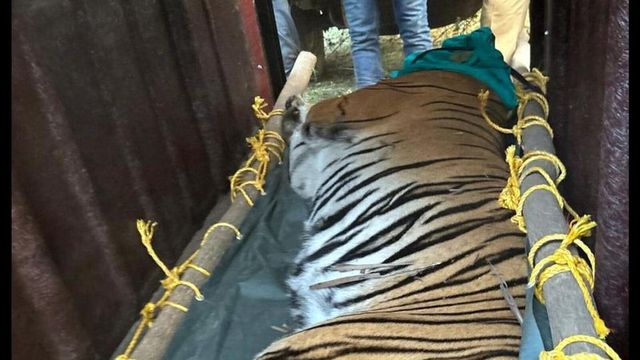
(405, 245)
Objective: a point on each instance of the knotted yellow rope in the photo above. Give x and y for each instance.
(263, 144)
(254, 170)
(172, 280)
(534, 120)
(540, 80)
(510, 197)
(562, 260)
(536, 77)
(558, 354)
(523, 122)
(147, 313)
(535, 155)
(518, 218)
(258, 105)
(483, 98)
(525, 97)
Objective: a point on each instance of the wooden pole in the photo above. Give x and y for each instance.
(155, 341)
(565, 304)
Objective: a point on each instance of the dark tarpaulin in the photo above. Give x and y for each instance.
(588, 94)
(247, 295)
(120, 110)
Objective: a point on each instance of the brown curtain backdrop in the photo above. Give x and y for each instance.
(120, 110)
(590, 115)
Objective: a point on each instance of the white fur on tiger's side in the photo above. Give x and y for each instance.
(405, 175)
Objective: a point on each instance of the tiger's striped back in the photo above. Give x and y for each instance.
(404, 174)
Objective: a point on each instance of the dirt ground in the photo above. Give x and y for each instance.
(337, 77)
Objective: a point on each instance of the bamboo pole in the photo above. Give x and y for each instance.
(565, 305)
(155, 341)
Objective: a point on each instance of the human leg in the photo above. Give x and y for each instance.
(363, 20)
(521, 59)
(287, 34)
(412, 21)
(506, 18)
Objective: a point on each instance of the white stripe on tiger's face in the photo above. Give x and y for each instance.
(306, 158)
(311, 147)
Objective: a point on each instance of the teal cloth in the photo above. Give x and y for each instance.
(473, 54)
(536, 335)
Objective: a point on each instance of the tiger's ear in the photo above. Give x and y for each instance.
(295, 112)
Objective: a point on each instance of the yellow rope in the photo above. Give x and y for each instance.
(254, 170)
(258, 104)
(558, 354)
(510, 197)
(169, 283)
(217, 225)
(534, 120)
(540, 80)
(523, 122)
(147, 313)
(518, 218)
(536, 155)
(252, 173)
(529, 96)
(536, 77)
(483, 98)
(524, 98)
(563, 261)
(262, 144)
(173, 276)
(146, 230)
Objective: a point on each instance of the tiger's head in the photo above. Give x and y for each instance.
(312, 146)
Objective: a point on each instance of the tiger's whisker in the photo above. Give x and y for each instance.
(504, 288)
(367, 275)
(363, 267)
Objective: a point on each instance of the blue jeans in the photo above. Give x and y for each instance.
(287, 34)
(363, 18)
